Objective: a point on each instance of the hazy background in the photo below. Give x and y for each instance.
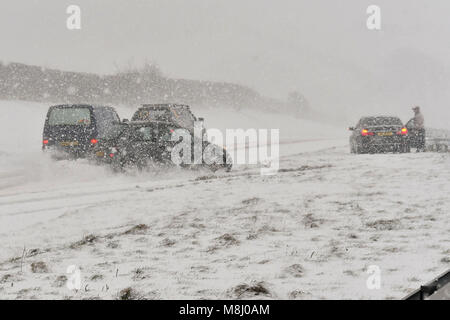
(321, 48)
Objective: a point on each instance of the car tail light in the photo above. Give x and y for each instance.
(403, 132)
(94, 141)
(45, 141)
(365, 133)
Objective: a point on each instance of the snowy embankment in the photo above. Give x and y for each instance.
(310, 231)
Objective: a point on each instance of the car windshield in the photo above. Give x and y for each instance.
(381, 121)
(141, 133)
(113, 131)
(70, 116)
(149, 133)
(152, 115)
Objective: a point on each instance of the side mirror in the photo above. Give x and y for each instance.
(351, 129)
(125, 120)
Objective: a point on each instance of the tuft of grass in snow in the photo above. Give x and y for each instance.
(227, 240)
(224, 241)
(6, 278)
(138, 229)
(295, 270)
(310, 221)
(87, 240)
(168, 242)
(251, 201)
(251, 290)
(304, 168)
(39, 267)
(139, 274)
(383, 224)
(203, 178)
(60, 281)
(297, 294)
(97, 277)
(129, 294)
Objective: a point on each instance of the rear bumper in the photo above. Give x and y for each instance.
(82, 150)
(384, 141)
(65, 152)
(375, 144)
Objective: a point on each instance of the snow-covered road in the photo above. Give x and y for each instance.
(310, 231)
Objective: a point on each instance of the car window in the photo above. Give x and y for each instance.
(141, 133)
(70, 116)
(166, 135)
(113, 131)
(184, 118)
(150, 133)
(149, 114)
(381, 121)
(106, 120)
(410, 123)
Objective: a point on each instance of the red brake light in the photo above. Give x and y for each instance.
(94, 141)
(45, 141)
(365, 133)
(403, 132)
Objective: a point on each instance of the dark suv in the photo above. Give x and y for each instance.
(379, 134)
(76, 129)
(139, 143)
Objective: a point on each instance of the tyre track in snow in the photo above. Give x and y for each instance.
(18, 204)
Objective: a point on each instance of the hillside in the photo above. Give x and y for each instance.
(146, 85)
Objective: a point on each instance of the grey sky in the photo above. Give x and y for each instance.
(321, 48)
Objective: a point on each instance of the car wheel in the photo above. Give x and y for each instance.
(117, 168)
(360, 149)
(405, 148)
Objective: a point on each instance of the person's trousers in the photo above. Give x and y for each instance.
(420, 139)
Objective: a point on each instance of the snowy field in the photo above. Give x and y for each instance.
(310, 231)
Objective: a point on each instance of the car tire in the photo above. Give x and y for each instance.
(406, 148)
(117, 168)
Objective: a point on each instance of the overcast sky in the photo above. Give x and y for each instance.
(321, 48)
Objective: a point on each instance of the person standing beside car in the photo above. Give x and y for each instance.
(419, 128)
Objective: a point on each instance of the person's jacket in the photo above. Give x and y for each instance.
(419, 121)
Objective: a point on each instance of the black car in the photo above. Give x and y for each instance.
(138, 143)
(76, 129)
(379, 134)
